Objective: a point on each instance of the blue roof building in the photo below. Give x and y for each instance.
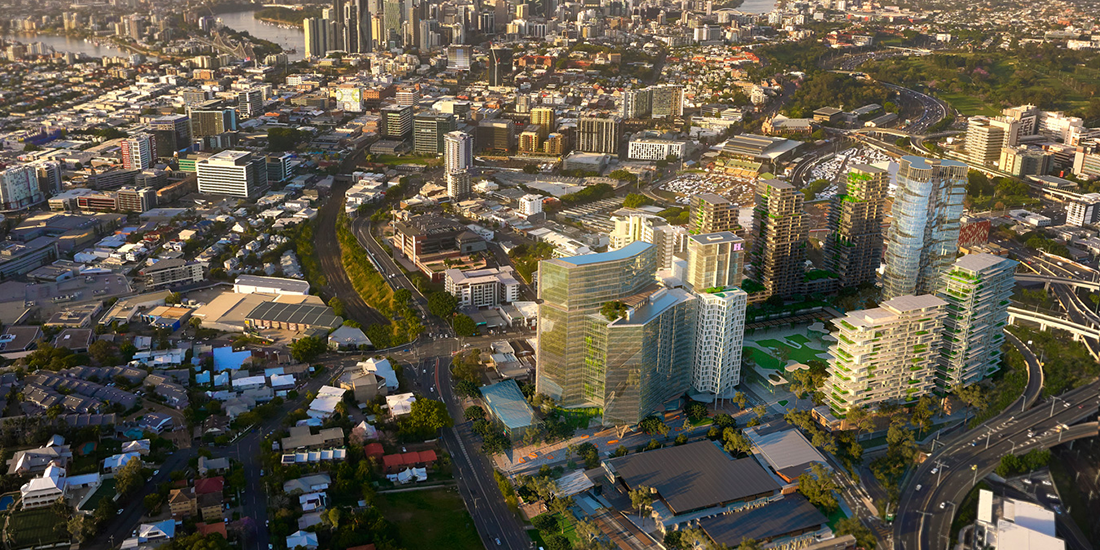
(507, 404)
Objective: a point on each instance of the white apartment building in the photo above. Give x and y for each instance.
(232, 173)
(977, 289)
(1083, 210)
(529, 205)
(719, 334)
(636, 225)
(458, 151)
(482, 287)
(656, 149)
(19, 187)
(885, 354)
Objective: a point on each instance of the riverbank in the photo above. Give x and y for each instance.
(286, 16)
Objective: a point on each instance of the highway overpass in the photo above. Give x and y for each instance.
(1048, 279)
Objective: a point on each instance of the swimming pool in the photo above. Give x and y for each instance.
(88, 448)
(5, 501)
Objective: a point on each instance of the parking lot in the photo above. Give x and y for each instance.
(738, 190)
(832, 167)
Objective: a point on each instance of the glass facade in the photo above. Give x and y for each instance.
(924, 237)
(572, 290)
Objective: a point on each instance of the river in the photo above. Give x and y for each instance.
(239, 21)
(287, 38)
(757, 6)
(67, 44)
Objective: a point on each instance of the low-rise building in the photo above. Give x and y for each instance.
(173, 272)
(482, 287)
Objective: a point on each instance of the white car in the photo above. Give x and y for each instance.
(918, 487)
(943, 505)
(936, 470)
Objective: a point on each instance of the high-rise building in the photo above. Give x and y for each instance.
(711, 213)
(544, 118)
(1083, 210)
(983, 141)
(715, 260)
(397, 122)
(19, 187)
(554, 144)
(139, 152)
(1022, 161)
(458, 57)
(609, 337)
(599, 134)
(459, 185)
(278, 167)
(635, 225)
(668, 101)
(49, 177)
(719, 334)
(132, 199)
(637, 103)
(250, 103)
(171, 134)
(853, 250)
(781, 234)
(429, 129)
(458, 152)
(924, 236)
(232, 173)
(977, 289)
(393, 17)
(212, 121)
(353, 36)
(496, 135)
(500, 65)
(885, 355)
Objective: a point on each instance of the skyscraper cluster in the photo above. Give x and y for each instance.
(612, 336)
(942, 319)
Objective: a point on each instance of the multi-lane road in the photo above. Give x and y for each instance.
(930, 500)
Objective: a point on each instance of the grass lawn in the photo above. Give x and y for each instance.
(969, 105)
(761, 358)
(834, 517)
(428, 520)
(33, 527)
(802, 355)
(565, 523)
(106, 490)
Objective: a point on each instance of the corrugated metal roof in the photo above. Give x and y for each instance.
(694, 476)
(793, 514)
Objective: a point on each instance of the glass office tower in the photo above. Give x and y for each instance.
(924, 236)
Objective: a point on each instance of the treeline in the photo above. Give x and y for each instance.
(833, 90)
(286, 15)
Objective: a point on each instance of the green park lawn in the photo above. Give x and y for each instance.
(429, 520)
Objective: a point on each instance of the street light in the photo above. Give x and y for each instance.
(974, 467)
(1054, 399)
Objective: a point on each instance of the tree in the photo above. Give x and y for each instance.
(818, 486)
(740, 399)
(429, 415)
(307, 348)
(735, 441)
(590, 454)
(474, 412)
(922, 412)
(464, 325)
(852, 526)
(653, 425)
(750, 544)
(860, 420)
(641, 499)
(442, 304)
(467, 388)
(973, 396)
(152, 503)
(531, 169)
(635, 200)
(103, 352)
(613, 310)
(129, 478)
(695, 410)
(284, 139)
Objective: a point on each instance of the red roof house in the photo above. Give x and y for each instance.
(209, 485)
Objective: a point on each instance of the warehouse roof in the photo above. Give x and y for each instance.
(302, 314)
(792, 515)
(694, 476)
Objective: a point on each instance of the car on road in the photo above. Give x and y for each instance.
(1046, 482)
(1028, 481)
(261, 473)
(918, 485)
(943, 505)
(498, 542)
(936, 470)
(1054, 497)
